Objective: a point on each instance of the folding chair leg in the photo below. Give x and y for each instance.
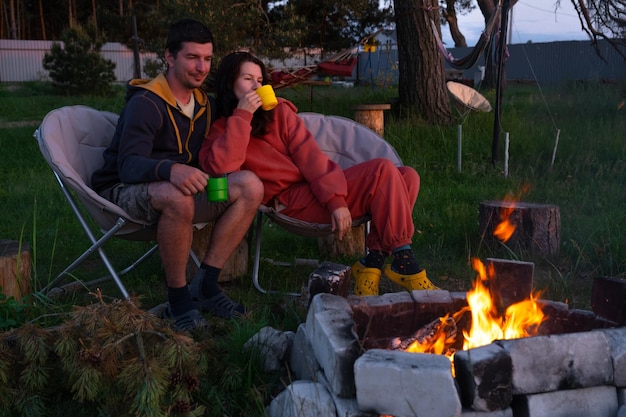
(257, 253)
(257, 260)
(96, 245)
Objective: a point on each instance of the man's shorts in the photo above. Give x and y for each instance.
(134, 199)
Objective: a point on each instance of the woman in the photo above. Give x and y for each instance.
(299, 178)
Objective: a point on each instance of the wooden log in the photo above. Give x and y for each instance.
(15, 269)
(537, 226)
(352, 244)
(372, 116)
(237, 264)
(511, 283)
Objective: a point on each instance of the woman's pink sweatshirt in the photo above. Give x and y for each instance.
(285, 156)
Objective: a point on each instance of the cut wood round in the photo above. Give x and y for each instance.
(372, 116)
(15, 269)
(537, 226)
(352, 244)
(237, 264)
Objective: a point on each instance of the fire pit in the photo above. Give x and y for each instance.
(574, 366)
(497, 349)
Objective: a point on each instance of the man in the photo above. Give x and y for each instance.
(151, 171)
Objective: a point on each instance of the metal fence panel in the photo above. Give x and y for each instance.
(549, 63)
(22, 60)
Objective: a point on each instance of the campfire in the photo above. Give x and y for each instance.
(364, 354)
(489, 321)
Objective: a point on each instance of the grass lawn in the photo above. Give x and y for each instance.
(584, 174)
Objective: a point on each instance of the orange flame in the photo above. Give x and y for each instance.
(505, 229)
(519, 320)
(439, 345)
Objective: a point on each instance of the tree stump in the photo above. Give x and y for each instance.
(537, 226)
(237, 264)
(372, 116)
(352, 244)
(15, 269)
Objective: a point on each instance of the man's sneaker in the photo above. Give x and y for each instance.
(219, 305)
(187, 322)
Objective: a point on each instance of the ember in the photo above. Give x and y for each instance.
(436, 337)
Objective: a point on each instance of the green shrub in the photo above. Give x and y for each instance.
(12, 312)
(77, 67)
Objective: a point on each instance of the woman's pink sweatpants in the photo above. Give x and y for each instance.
(376, 187)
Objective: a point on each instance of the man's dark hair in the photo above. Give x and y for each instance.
(187, 30)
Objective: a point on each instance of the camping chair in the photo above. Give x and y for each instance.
(347, 143)
(72, 140)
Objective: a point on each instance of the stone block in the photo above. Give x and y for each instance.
(500, 413)
(617, 346)
(558, 362)
(346, 407)
(302, 360)
(334, 341)
(406, 384)
(484, 375)
(621, 397)
(398, 314)
(584, 402)
(274, 347)
(324, 302)
(303, 399)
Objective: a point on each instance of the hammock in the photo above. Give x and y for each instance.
(339, 65)
(470, 59)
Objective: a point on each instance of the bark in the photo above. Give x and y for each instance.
(421, 82)
(42, 20)
(94, 17)
(488, 8)
(12, 21)
(449, 13)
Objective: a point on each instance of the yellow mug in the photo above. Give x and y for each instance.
(268, 97)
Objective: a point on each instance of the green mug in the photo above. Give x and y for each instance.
(217, 189)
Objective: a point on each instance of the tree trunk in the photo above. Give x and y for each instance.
(12, 20)
(449, 13)
(421, 74)
(42, 20)
(94, 16)
(488, 8)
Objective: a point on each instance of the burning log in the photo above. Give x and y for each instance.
(532, 226)
(435, 337)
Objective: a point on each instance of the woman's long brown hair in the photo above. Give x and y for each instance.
(225, 77)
